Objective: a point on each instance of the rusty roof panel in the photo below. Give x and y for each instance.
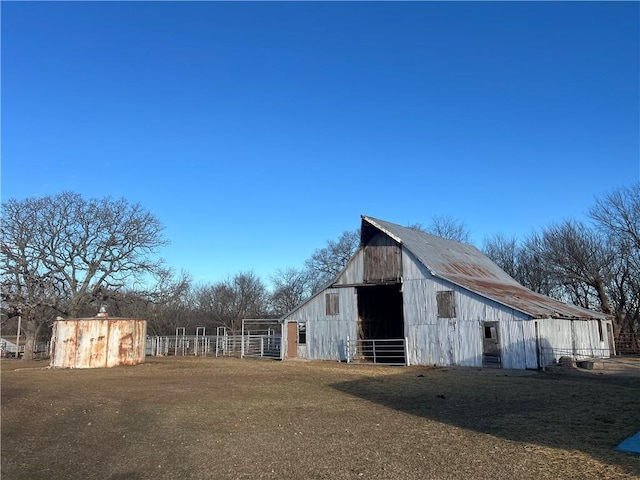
(466, 266)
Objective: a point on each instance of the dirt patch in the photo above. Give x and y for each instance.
(195, 418)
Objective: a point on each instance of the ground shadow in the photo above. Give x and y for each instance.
(589, 413)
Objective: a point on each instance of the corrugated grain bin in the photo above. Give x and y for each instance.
(98, 342)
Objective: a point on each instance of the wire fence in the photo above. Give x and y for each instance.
(591, 359)
(628, 344)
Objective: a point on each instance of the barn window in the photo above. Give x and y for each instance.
(302, 333)
(332, 304)
(446, 304)
(490, 333)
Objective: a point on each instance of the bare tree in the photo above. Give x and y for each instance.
(617, 217)
(504, 252)
(618, 213)
(66, 255)
(523, 261)
(169, 303)
(449, 227)
(531, 271)
(326, 263)
(226, 303)
(291, 287)
(580, 259)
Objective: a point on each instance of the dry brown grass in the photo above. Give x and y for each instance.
(218, 418)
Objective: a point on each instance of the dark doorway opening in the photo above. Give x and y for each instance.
(381, 324)
(380, 314)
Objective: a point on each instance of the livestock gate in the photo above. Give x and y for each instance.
(262, 338)
(258, 338)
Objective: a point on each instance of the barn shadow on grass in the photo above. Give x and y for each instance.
(581, 412)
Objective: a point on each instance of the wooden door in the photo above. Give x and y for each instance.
(491, 355)
(292, 339)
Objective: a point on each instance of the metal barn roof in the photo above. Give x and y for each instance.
(468, 267)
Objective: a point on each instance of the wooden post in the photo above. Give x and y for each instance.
(18, 335)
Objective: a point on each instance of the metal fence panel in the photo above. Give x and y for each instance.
(384, 351)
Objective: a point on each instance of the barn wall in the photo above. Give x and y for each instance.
(354, 272)
(568, 338)
(458, 341)
(382, 259)
(327, 334)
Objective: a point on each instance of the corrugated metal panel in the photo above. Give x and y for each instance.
(580, 337)
(353, 273)
(98, 342)
(327, 334)
(458, 341)
(466, 266)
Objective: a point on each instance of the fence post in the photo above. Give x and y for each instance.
(348, 352)
(373, 348)
(406, 351)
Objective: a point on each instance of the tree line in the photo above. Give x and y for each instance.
(66, 256)
(593, 264)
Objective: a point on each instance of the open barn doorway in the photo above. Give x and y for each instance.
(381, 323)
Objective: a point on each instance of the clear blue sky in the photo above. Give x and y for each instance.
(258, 131)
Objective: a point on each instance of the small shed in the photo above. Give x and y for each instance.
(98, 342)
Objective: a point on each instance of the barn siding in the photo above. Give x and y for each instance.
(353, 273)
(564, 337)
(382, 259)
(327, 334)
(458, 341)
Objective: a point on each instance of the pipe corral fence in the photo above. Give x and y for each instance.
(41, 349)
(257, 338)
(262, 338)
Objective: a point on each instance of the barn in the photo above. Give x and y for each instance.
(413, 298)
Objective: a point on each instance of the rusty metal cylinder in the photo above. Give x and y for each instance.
(98, 342)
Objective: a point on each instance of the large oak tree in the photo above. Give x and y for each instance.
(64, 255)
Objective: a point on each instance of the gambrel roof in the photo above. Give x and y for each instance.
(466, 266)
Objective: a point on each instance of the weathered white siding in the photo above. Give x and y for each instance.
(579, 338)
(354, 272)
(327, 334)
(517, 343)
(458, 341)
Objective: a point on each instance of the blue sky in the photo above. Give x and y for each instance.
(258, 131)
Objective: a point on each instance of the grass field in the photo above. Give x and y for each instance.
(215, 418)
